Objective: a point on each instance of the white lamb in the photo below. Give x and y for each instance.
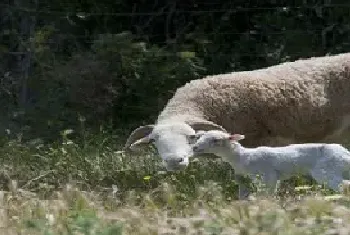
(324, 162)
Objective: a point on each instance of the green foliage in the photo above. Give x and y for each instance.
(122, 61)
(139, 69)
(115, 78)
(93, 163)
(87, 188)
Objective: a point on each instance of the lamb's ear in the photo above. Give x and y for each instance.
(236, 137)
(139, 136)
(200, 133)
(206, 126)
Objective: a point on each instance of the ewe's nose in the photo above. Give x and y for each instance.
(176, 163)
(174, 160)
(195, 148)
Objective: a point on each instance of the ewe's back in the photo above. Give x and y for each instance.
(303, 101)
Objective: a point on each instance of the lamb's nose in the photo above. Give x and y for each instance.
(180, 159)
(195, 148)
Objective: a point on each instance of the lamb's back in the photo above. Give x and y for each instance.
(286, 160)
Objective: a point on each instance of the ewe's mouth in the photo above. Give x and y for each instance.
(175, 165)
(175, 160)
(197, 151)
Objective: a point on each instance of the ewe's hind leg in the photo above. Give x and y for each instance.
(340, 132)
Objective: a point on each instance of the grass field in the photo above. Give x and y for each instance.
(88, 187)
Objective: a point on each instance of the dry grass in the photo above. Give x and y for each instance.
(88, 188)
(73, 211)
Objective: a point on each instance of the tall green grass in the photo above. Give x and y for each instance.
(86, 186)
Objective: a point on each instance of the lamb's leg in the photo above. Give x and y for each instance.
(270, 179)
(243, 190)
(332, 178)
(334, 183)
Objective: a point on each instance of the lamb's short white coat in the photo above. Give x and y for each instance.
(326, 163)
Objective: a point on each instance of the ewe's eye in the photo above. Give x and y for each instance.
(192, 138)
(151, 140)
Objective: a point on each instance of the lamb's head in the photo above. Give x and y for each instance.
(214, 141)
(173, 140)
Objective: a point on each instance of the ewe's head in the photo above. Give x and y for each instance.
(214, 141)
(172, 140)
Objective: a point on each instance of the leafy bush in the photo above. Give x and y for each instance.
(119, 77)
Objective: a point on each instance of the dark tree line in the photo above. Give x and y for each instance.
(121, 60)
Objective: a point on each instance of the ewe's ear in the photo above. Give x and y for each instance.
(144, 140)
(236, 137)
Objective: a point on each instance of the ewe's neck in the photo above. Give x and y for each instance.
(180, 118)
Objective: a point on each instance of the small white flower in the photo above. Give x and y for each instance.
(50, 219)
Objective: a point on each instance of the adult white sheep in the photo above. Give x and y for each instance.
(303, 101)
(326, 163)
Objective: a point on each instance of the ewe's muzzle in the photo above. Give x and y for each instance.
(173, 164)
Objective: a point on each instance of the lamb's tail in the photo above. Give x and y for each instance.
(346, 163)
